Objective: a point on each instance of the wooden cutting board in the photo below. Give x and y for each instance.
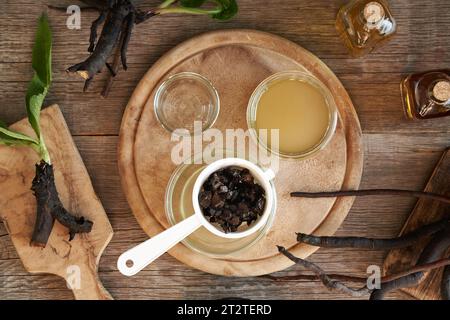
(18, 208)
(425, 212)
(236, 61)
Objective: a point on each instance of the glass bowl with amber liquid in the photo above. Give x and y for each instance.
(299, 108)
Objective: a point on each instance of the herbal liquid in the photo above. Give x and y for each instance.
(427, 94)
(202, 240)
(365, 25)
(300, 112)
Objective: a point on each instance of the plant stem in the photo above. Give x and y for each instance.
(166, 3)
(372, 192)
(43, 151)
(187, 10)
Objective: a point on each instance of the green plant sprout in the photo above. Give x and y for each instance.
(49, 206)
(36, 93)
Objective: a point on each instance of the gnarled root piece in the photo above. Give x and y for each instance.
(327, 281)
(445, 287)
(44, 191)
(94, 27)
(356, 279)
(119, 17)
(49, 208)
(432, 257)
(406, 278)
(435, 250)
(372, 192)
(106, 42)
(374, 244)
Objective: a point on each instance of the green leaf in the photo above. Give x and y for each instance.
(16, 135)
(219, 9)
(10, 142)
(192, 3)
(42, 65)
(42, 51)
(37, 90)
(13, 138)
(229, 9)
(34, 99)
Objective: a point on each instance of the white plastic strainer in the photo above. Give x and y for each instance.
(137, 258)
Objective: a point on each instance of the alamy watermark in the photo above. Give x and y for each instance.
(73, 22)
(73, 277)
(374, 279)
(205, 147)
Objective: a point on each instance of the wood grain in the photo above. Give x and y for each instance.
(223, 57)
(397, 153)
(78, 257)
(168, 278)
(425, 212)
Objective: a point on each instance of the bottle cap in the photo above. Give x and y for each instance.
(441, 90)
(373, 13)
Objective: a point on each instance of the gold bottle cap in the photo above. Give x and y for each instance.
(441, 90)
(373, 12)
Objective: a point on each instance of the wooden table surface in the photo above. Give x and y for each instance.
(398, 153)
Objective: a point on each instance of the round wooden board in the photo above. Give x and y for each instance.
(236, 61)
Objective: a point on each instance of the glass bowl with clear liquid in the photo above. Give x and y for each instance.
(184, 99)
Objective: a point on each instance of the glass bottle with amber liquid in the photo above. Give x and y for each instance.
(365, 25)
(426, 95)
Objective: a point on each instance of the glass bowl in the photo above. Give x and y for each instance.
(178, 206)
(183, 99)
(292, 75)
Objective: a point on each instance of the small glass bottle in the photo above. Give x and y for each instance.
(365, 25)
(426, 95)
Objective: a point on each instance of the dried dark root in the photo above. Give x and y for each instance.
(127, 29)
(445, 286)
(93, 37)
(110, 68)
(408, 281)
(50, 208)
(375, 244)
(373, 192)
(119, 18)
(326, 280)
(87, 84)
(434, 250)
(433, 256)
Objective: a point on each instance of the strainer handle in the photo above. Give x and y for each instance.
(137, 258)
(269, 174)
